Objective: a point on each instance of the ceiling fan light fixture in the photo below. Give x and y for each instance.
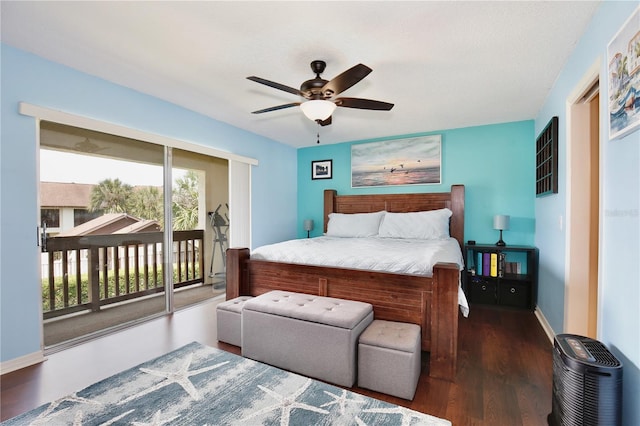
(318, 109)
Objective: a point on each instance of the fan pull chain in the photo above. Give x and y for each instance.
(318, 121)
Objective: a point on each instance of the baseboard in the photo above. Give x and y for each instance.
(21, 362)
(545, 324)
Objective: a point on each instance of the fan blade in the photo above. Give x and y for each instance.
(275, 85)
(325, 122)
(363, 104)
(275, 108)
(345, 80)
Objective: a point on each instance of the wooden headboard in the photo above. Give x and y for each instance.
(401, 203)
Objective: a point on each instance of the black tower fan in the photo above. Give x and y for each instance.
(587, 383)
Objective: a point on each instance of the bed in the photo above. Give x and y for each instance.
(429, 301)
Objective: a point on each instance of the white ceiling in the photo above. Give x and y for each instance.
(443, 64)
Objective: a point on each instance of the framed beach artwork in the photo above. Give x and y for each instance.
(322, 169)
(408, 161)
(623, 53)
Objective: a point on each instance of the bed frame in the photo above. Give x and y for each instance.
(432, 303)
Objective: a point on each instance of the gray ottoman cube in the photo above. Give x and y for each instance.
(229, 319)
(389, 358)
(311, 335)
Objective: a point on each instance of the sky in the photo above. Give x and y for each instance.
(57, 166)
(421, 151)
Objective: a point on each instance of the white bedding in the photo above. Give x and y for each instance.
(404, 256)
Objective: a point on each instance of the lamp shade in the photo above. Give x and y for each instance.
(318, 109)
(501, 221)
(308, 225)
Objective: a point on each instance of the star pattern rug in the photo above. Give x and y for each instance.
(200, 385)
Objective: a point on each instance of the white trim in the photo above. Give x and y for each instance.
(38, 247)
(545, 324)
(62, 117)
(22, 362)
(604, 112)
(239, 204)
(591, 76)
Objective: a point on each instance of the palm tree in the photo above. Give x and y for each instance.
(185, 202)
(622, 67)
(147, 203)
(111, 196)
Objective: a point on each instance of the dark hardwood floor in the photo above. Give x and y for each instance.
(504, 367)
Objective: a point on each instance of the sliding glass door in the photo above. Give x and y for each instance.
(104, 206)
(200, 207)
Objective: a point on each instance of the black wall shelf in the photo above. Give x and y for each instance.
(547, 160)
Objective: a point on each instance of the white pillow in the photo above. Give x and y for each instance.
(354, 224)
(427, 225)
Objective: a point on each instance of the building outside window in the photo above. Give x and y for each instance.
(81, 216)
(50, 217)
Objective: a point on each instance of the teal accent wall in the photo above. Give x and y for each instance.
(496, 163)
(29, 78)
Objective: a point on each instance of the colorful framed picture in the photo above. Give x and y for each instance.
(322, 169)
(407, 161)
(623, 53)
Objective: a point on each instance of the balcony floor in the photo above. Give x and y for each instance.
(65, 330)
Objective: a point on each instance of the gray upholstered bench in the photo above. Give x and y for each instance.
(389, 358)
(229, 320)
(312, 335)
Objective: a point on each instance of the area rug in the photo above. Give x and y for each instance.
(200, 385)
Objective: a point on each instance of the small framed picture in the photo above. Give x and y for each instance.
(322, 169)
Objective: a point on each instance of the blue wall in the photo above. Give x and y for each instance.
(496, 163)
(619, 298)
(31, 79)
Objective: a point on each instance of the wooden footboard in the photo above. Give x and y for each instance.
(431, 303)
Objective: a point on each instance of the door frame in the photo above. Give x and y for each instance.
(583, 237)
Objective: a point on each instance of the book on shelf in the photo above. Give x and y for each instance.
(513, 268)
(486, 264)
(494, 264)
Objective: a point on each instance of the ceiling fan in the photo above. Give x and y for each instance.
(87, 146)
(318, 93)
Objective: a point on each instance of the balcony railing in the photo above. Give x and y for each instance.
(88, 272)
